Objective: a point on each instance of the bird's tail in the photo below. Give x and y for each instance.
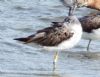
(22, 39)
(26, 40)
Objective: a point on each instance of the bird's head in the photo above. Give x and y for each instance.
(71, 20)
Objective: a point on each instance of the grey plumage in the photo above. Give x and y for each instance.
(90, 23)
(53, 35)
(59, 36)
(50, 36)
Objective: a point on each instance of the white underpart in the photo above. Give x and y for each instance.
(94, 35)
(77, 30)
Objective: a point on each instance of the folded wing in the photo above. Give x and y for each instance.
(50, 36)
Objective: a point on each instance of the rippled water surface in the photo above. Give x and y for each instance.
(19, 18)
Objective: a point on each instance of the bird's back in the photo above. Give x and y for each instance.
(90, 23)
(50, 36)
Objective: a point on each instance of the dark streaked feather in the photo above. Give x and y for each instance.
(22, 39)
(90, 23)
(50, 36)
(59, 24)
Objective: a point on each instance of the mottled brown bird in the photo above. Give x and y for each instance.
(57, 37)
(91, 27)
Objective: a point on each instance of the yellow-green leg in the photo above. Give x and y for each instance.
(55, 60)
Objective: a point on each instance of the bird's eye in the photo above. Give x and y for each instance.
(67, 20)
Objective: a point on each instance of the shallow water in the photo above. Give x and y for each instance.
(23, 17)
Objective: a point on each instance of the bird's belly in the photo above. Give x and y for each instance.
(69, 43)
(94, 35)
(65, 44)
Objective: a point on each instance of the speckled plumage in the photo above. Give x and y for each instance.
(90, 23)
(91, 28)
(59, 33)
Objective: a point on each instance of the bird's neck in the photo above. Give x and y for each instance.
(77, 28)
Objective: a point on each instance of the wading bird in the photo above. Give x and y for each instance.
(59, 36)
(91, 28)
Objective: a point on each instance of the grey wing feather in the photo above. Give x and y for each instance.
(90, 23)
(53, 37)
(50, 36)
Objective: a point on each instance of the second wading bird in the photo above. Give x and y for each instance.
(58, 37)
(91, 28)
